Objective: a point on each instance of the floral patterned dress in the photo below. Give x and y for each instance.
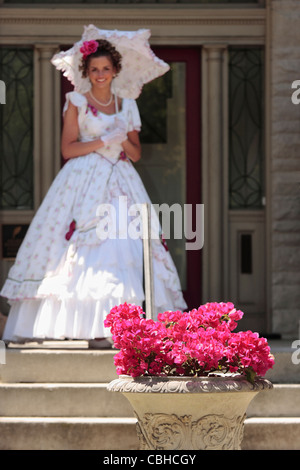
(66, 276)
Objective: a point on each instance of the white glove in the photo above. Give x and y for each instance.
(117, 135)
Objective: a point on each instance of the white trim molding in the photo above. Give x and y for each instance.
(177, 25)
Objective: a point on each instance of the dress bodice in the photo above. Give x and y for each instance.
(93, 123)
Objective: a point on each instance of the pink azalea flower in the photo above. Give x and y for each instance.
(195, 343)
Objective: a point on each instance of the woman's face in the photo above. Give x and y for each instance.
(101, 72)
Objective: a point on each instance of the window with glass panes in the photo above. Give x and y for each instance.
(16, 129)
(246, 127)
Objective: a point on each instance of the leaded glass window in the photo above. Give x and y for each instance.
(16, 129)
(246, 128)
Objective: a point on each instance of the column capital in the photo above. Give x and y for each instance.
(46, 46)
(214, 51)
(213, 47)
(46, 51)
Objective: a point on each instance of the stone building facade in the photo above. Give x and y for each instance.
(284, 170)
(251, 253)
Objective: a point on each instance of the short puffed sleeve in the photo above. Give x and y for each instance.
(133, 116)
(75, 98)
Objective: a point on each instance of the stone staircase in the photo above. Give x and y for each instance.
(273, 418)
(53, 396)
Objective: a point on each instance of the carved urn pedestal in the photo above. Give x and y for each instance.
(189, 413)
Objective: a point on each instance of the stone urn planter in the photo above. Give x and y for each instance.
(199, 413)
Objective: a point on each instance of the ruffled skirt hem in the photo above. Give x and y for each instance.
(54, 319)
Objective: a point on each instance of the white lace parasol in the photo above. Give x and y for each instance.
(139, 63)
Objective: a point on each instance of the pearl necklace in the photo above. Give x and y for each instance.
(99, 102)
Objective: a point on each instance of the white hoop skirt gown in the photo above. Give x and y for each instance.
(60, 288)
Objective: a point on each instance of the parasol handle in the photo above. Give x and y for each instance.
(148, 268)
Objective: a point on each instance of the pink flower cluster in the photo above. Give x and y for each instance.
(88, 48)
(195, 343)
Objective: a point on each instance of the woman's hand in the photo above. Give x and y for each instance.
(117, 135)
(132, 146)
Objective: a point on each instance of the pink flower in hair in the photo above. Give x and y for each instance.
(88, 48)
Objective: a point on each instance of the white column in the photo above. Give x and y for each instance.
(47, 116)
(214, 165)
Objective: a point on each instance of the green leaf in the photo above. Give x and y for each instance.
(250, 375)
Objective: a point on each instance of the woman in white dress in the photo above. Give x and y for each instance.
(68, 274)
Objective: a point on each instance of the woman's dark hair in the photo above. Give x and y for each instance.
(105, 49)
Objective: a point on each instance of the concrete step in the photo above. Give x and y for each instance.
(58, 366)
(71, 361)
(287, 364)
(271, 434)
(120, 434)
(94, 400)
(68, 434)
(60, 399)
(283, 400)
